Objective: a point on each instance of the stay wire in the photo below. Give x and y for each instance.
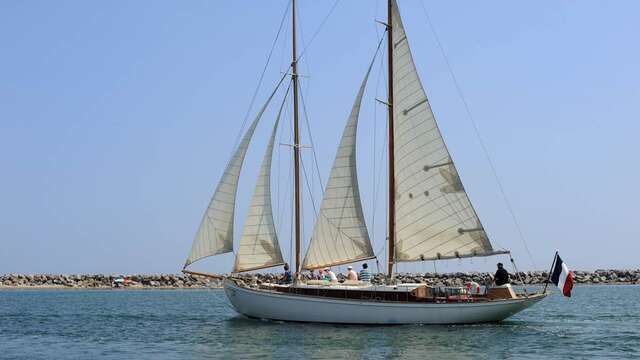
(306, 178)
(377, 173)
(322, 23)
(281, 207)
(515, 268)
(313, 146)
(477, 133)
(264, 70)
(307, 122)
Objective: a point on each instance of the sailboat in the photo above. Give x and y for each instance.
(430, 217)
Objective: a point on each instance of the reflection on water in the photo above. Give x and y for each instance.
(599, 321)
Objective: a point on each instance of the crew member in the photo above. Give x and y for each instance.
(502, 276)
(365, 274)
(351, 275)
(287, 277)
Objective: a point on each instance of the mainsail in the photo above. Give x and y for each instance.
(215, 234)
(340, 234)
(434, 217)
(259, 246)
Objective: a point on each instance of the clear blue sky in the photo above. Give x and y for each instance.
(117, 118)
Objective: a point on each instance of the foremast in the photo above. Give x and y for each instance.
(296, 140)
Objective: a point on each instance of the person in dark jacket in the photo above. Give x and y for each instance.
(502, 276)
(287, 277)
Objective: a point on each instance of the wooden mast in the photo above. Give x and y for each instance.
(296, 141)
(392, 178)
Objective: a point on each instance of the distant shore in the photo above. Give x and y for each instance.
(183, 281)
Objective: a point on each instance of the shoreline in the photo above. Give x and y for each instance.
(184, 281)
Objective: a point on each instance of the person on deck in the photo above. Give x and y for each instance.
(365, 274)
(502, 276)
(351, 275)
(330, 275)
(315, 276)
(287, 277)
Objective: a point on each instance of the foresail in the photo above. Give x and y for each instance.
(259, 246)
(215, 234)
(340, 234)
(434, 217)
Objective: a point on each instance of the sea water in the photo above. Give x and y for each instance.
(597, 322)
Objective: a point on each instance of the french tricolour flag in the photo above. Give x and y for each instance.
(562, 277)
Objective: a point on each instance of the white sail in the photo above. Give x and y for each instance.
(434, 217)
(340, 234)
(215, 234)
(259, 246)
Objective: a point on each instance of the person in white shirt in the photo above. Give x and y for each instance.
(351, 275)
(330, 274)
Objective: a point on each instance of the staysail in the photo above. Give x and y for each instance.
(259, 246)
(340, 234)
(434, 216)
(215, 234)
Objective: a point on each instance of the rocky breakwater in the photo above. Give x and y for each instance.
(99, 281)
(180, 281)
(529, 278)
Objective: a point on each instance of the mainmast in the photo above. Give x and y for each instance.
(296, 141)
(392, 179)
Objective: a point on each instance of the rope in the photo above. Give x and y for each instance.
(337, 227)
(477, 133)
(518, 275)
(375, 177)
(313, 146)
(279, 195)
(264, 70)
(304, 50)
(306, 180)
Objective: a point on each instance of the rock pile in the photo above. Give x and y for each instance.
(173, 281)
(529, 277)
(99, 281)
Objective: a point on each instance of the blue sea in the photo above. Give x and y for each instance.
(601, 322)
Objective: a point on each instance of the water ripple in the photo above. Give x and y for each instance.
(598, 322)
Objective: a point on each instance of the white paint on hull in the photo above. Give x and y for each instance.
(272, 305)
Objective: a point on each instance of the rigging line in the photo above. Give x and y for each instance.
(283, 107)
(375, 125)
(285, 62)
(313, 146)
(264, 70)
(306, 118)
(288, 193)
(306, 178)
(304, 92)
(302, 235)
(313, 37)
(291, 226)
(306, 84)
(279, 173)
(477, 133)
(386, 226)
(379, 251)
(383, 163)
(283, 199)
(375, 16)
(374, 194)
(378, 176)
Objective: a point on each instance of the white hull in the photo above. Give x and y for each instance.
(272, 305)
